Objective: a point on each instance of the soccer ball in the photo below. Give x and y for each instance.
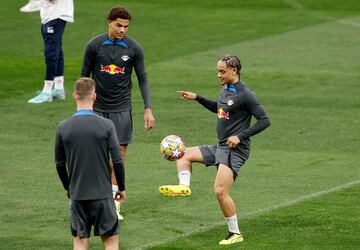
(172, 147)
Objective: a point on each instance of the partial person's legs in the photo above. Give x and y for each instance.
(52, 34)
(60, 61)
(59, 92)
(80, 243)
(123, 125)
(184, 168)
(110, 242)
(223, 182)
(184, 164)
(123, 149)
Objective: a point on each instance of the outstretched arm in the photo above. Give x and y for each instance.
(187, 95)
(209, 104)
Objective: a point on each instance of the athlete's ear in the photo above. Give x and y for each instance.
(74, 96)
(94, 97)
(234, 71)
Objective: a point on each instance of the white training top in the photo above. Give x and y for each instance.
(51, 10)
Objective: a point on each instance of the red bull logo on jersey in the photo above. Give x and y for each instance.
(112, 69)
(222, 114)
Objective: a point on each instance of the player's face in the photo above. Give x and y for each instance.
(118, 28)
(226, 74)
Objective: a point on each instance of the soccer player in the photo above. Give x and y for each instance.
(82, 147)
(110, 59)
(54, 16)
(235, 107)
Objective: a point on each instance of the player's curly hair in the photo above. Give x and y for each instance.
(232, 62)
(118, 12)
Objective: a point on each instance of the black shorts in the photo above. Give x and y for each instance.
(98, 213)
(123, 125)
(215, 154)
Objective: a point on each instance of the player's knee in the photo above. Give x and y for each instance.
(110, 242)
(220, 192)
(51, 60)
(185, 158)
(192, 155)
(80, 243)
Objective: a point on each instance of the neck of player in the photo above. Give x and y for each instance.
(84, 105)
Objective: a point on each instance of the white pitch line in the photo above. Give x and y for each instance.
(257, 212)
(294, 4)
(301, 199)
(349, 23)
(299, 7)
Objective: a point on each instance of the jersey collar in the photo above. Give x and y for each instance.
(231, 87)
(235, 87)
(84, 112)
(110, 41)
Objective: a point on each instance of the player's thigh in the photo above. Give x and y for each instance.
(208, 153)
(80, 219)
(53, 32)
(224, 179)
(80, 243)
(193, 154)
(110, 242)
(124, 126)
(104, 216)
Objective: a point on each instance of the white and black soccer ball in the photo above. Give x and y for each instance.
(172, 147)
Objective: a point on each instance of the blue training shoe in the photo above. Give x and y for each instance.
(58, 94)
(41, 98)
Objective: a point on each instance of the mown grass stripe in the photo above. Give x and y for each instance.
(258, 212)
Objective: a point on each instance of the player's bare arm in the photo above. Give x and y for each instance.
(187, 95)
(149, 120)
(233, 141)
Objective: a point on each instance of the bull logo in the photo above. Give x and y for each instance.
(112, 69)
(222, 114)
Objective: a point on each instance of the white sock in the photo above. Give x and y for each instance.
(59, 82)
(233, 224)
(184, 177)
(48, 85)
(115, 188)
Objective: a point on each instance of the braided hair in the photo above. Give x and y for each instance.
(232, 62)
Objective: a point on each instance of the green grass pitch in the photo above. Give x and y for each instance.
(299, 190)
